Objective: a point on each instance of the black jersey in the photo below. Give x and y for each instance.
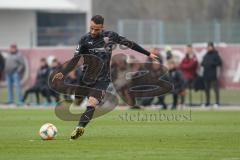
(100, 48)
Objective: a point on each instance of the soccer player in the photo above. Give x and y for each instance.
(99, 43)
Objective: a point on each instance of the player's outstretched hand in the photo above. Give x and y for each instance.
(58, 76)
(154, 57)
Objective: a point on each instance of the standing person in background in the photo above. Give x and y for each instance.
(157, 73)
(189, 66)
(211, 62)
(119, 69)
(2, 65)
(13, 67)
(176, 77)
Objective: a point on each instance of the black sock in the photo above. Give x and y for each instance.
(86, 116)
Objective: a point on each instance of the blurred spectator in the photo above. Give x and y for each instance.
(177, 80)
(2, 65)
(189, 66)
(169, 54)
(211, 62)
(135, 67)
(155, 68)
(71, 79)
(199, 81)
(13, 66)
(56, 65)
(41, 84)
(119, 68)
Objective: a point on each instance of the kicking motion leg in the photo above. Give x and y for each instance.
(85, 118)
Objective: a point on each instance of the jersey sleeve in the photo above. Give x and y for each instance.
(80, 48)
(70, 65)
(134, 46)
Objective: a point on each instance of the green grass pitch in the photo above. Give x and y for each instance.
(206, 135)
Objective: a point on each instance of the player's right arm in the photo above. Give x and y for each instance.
(70, 65)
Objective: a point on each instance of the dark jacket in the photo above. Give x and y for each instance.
(176, 77)
(42, 76)
(210, 63)
(2, 63)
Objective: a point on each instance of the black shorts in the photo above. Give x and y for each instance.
(97, 89)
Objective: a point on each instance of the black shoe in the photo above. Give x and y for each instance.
(78, 131)
(207, 104)
(136, 107)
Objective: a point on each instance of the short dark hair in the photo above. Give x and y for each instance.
(211, 44)
(43, 60)
(189, 45)
(98, 19)
(54, 60)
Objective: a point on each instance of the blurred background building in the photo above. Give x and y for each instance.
(62, 22)
(43, 22)
(173, 21)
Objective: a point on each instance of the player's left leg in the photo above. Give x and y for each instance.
(85, 118)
